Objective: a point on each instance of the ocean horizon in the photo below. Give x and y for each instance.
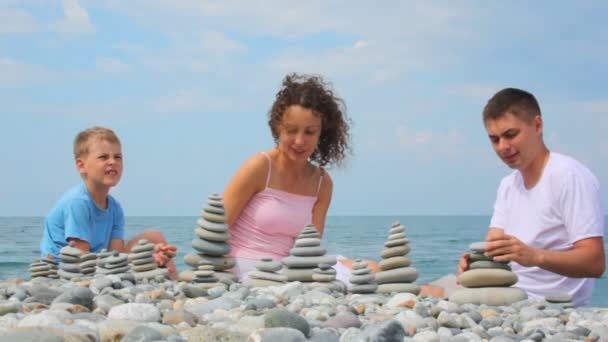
(437, 241)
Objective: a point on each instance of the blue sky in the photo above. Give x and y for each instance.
(187, 85)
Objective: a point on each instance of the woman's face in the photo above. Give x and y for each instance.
(299, 132)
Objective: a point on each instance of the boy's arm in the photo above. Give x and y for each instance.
(117, 245)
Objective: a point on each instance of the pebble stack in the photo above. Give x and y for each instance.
(204, 276)
(362, 280)
(396, 275)
(44, 268)
(306, 255)
(70, 263)
(563, 299)
(142, 262)
(486, 281)
(114, 263)
(266, 273)
(325, 277)
(88, 262)
(210, 242)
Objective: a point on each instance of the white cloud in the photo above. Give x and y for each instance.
(15, 73)
(76, 19)
(17, 21)
(112, 65)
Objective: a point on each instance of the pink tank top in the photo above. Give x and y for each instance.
(270, 221)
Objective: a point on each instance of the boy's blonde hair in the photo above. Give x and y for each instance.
(81, 143)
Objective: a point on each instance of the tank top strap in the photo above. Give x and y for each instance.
(269, 167)
(320, 180)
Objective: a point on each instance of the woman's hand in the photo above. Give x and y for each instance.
(163, 253)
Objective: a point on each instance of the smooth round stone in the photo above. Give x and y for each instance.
(323, 278)
(226, 277)
(478, 247)
(143, 248)
(308, 251)
(144, 267)
(68, 275)
(267, 276)
(88, 270)
(114, 270)
(489, 264)
(362, 279)
(307, 242)
(329, 270)
(211, 235)
(118, 259)
(111, 266)
(308, 262)
(49, 261)
(206, 267)
(309, 236)
(70, 259)
(72, 251)
(487, 278)
(252, 282)
(88, 257)
(366, 270)
(205, 279)
(42, 273)
(399, 287)
(396, 236)
(219, 263)
(558, 297)
(495, 296)
(40, 268)
(395, 251)
(268, 266)
(215, 209)
(479, 257)
(397, 275)
(143, 261)
(151, 274)
(363, 288)
(295, 274)
(88, 264)
(396, 242)
(213, 226)
(359, 264)
(204, 273)
(396, 230)
(74, 268)
(394, 262)
(210, 248)
(215, 202)
(214, 217)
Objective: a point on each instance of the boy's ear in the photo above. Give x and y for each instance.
(79, 165)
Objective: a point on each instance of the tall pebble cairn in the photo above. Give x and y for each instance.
(396, 275)
(142, 262)
(306, 255)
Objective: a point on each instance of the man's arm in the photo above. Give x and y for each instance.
(586, 259)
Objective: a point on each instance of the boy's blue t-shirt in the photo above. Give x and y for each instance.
(77, 216)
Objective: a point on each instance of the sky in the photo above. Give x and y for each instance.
(187, 86)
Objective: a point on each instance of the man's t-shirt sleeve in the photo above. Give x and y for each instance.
(118, 228)
(499, 217)
(581, 206)
(77, 221)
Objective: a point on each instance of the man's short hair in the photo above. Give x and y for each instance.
(81, 143)
(520, 103)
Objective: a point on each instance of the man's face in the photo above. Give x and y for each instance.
(515, 141)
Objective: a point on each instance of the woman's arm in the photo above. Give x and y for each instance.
(319, 211)
(248, 180)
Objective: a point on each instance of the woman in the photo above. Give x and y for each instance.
(276, 193)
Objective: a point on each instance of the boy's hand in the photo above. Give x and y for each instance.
(464, 262)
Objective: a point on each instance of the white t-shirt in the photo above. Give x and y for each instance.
(564, 207)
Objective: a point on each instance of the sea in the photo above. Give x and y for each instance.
(437, 242)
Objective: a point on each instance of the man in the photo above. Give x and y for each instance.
(548, 220)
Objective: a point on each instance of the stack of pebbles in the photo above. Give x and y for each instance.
(486, 281)
(396, 275)
(210, 242)
(306, 255)
(266, 273)
(205, 276)
(142, 262)
(70, 263)
(325, 277)
(362, 279)
(562, 298)
(44, 268)
(114, 263)
(88, 262)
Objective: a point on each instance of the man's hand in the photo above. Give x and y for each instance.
(464, 263)
(163, 253)
(509, 248)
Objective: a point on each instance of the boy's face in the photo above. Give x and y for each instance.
(102, 166)
(515, 141)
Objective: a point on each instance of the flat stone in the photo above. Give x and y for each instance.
(489, 264)
(88, 263)
(40, 268)
(117, 270)
(399, 287)
(308, 262)
(363, 288)
(112, 266)
(268, 266)
(298, 274)
(148, 260)
(204, 273)
(212, 226)
(42, 273)
(479, 257)
(396, 236)
(394, 262)
(362, 279)
(478, 247)
(396, 242)
(307, 242)
(88, 257)
(395, 251)
(205, 279)
(74, 268)
(309, 236)
(143, 248)
(218, 218)
(326, 270)
(558, 297)
(69, 259)
(495, 296)
(323, 278)
(211, 235)
(397, 275)
(359, 264)
(308, 251)
(215, 209)
(252, 282)
(397, 229)
(487, 278)
(267, 276)
(144, 267)
(210, 248)
(366, 270)
(219, 263)
(71, 251)
(68, 275)
(118, 259)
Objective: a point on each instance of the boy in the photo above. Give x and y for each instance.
(87, 217)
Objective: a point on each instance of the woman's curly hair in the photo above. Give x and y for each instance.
(312, 92)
